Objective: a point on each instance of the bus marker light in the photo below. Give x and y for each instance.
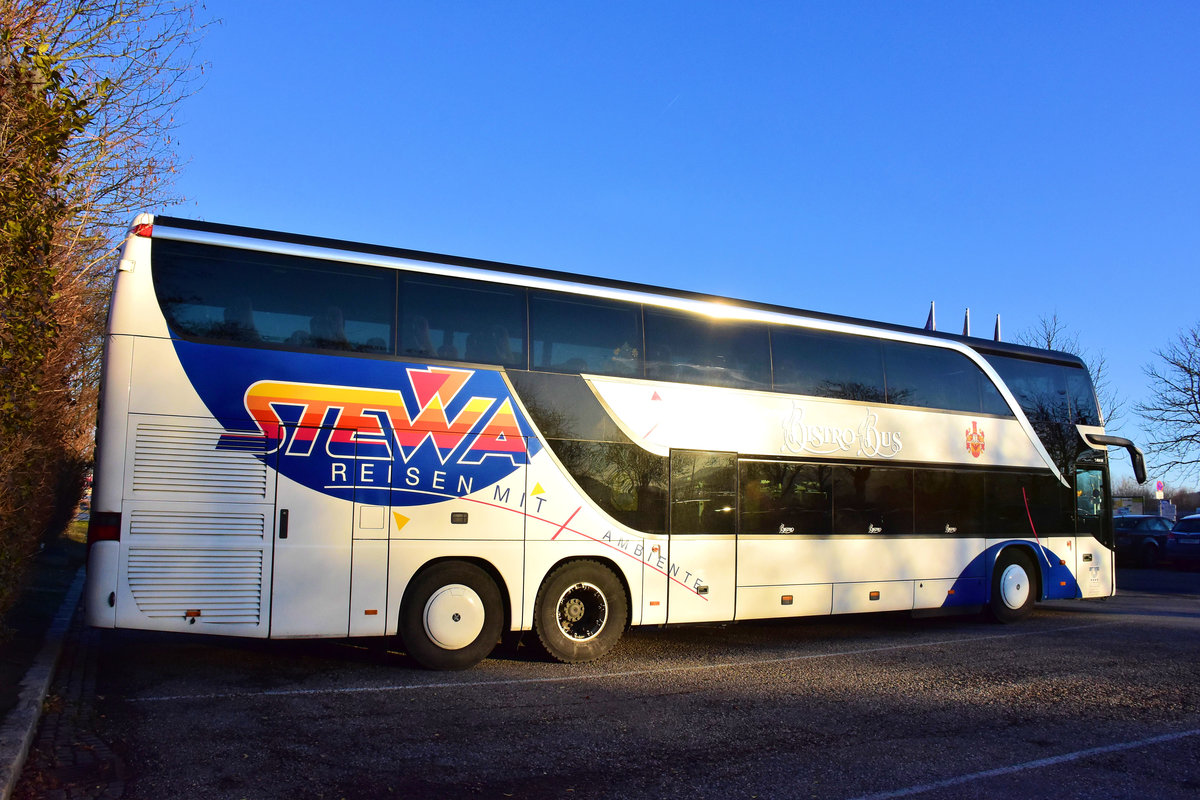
(874, 595)
(1062, 583)
(786, 600)
(370, 612)
(655, 602)
(458, 518)
(950, 592)
(145, 229)
(104, 526)
(192, 612)
(1062, 562)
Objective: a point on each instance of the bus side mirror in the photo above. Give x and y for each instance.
(1135, 455)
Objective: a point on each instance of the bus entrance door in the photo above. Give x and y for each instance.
(703, 536)
(1094, 569)
(310, 579)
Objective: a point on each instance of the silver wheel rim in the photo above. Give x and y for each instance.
(1014, 586)
(454, 616)
(581, 612)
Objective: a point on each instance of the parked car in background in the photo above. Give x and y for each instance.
(1141, 539)
(1183, 542)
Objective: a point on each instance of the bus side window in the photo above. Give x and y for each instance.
(695, 349)
(827, 364)
(949, 502)
(1089, 492)
(703, 492)
(872, 500)
(583, 334)
(471, 321)
(786, 498)
(934, 377)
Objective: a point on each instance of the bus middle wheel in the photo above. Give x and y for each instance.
(451, 617)
(581, 612)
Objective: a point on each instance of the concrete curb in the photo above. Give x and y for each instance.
(20, 725)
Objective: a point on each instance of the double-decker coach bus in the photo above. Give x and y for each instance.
(302, 437)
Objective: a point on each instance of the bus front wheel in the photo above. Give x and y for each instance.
(581, 612)
(451, 616)
(1014, 586)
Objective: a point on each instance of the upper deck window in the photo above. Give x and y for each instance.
(462, 320)
(693, 349)
(578, 334)
(248, 297)
(848, 367)
(1049, 392)
(827, 364)
(934, 377)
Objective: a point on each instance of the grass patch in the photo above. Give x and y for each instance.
(77, 531)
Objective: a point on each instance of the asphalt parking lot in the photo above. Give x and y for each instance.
(1097, 699)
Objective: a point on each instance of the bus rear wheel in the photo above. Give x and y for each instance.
(581, 612)
(451, 616)
(1014, 587)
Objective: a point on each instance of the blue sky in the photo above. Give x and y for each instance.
(859, 158)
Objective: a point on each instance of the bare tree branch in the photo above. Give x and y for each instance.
(1172, 414)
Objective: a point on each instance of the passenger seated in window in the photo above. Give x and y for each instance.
(501, 346)
(329, 329)
(475, 349)
(416, 338)
(239, 322)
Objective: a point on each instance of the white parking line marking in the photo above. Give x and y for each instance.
(608, 675)
(1028, 765)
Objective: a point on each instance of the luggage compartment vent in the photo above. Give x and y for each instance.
(214, 586)
(233, 526)
(179, 459)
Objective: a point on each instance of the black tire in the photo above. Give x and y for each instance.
(452, 616)
(1149, 556)
(1014, 586)
(581, 612)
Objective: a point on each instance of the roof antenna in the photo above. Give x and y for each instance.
(996, 335)
(931, 321)
(967, 323)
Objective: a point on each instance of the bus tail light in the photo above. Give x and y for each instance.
(104, 526)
